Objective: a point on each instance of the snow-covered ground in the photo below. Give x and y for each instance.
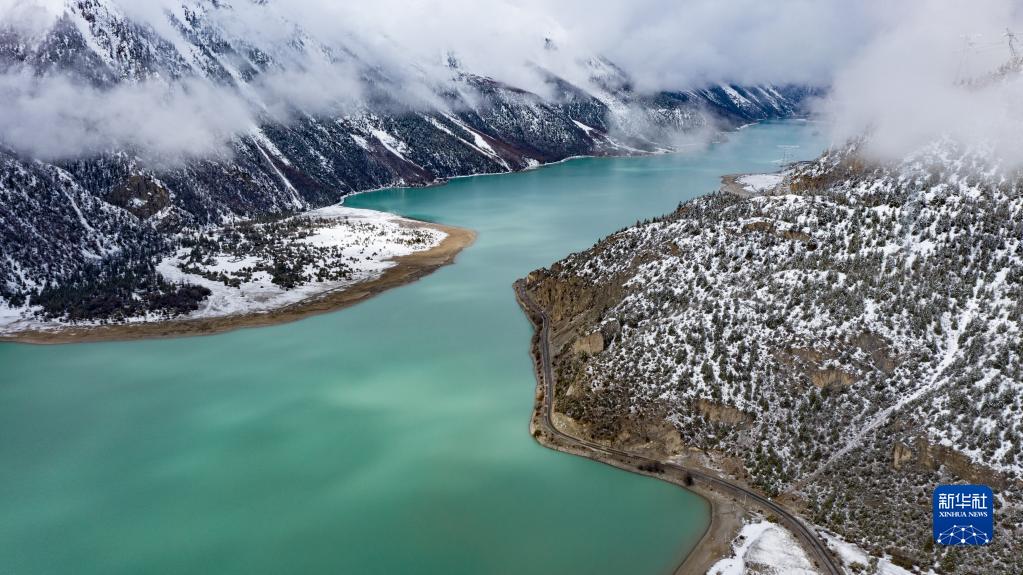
(364, 242)
(764, 548)
(858, 311)
(368, 240)
(852, 555)
(760, 183)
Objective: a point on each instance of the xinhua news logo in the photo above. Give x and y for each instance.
(964, 515)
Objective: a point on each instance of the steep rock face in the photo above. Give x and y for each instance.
(853, 339)
(303, 159)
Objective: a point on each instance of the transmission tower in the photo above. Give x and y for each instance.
(788, 153)
(968, 44)
(1012, 42)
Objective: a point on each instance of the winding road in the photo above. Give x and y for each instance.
(809, 539)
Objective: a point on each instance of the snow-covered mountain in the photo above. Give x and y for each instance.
(843, 336)
(284, 123)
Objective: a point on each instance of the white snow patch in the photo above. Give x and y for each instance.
(360, 141)
(764, 548)
(369, 241)
(850, 554)
(370, 249)
(479, 144)
(735, 96)
(583, 127)
(760, 183)
(392, 144)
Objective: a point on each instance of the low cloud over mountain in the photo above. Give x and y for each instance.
(895, 69)
(159, 86)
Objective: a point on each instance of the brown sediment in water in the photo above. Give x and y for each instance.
(407, 269)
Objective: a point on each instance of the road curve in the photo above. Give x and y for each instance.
(809, 539)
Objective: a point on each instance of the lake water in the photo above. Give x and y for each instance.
(386, 438)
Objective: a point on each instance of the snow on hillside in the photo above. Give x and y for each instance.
(764, 548)
(760, 183)
(253, 268)
(852, 336)
(264, 125)
(364, 241)
(858, 561)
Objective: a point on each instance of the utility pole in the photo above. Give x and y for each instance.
(967, 48)
(787, 153)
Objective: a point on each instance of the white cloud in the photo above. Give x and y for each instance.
(893, 65)
(31, 16)
(53, 117)
(911, 85)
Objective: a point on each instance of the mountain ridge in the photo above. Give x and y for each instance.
(295, 160)
(843, 336)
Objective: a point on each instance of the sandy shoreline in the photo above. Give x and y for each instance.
(408, 269)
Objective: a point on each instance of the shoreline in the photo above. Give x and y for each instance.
(407, 269)
(311, 306)
(448, 179)
(725, 515)
(722, 496)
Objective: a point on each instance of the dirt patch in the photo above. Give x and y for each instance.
(589, 344)
(922, 455)
(726, 519)
(721, 413)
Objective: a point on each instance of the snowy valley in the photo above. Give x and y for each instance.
(96, 219)
(251, 268)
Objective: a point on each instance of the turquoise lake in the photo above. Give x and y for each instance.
(390, 437)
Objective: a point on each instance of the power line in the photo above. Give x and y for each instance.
(975, 45)
(788, 153)
(968, 46)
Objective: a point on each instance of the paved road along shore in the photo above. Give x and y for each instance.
(808, 538)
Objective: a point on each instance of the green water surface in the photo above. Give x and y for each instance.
(390, 437)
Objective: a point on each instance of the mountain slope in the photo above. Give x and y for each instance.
(845, 337)
(280, 154)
